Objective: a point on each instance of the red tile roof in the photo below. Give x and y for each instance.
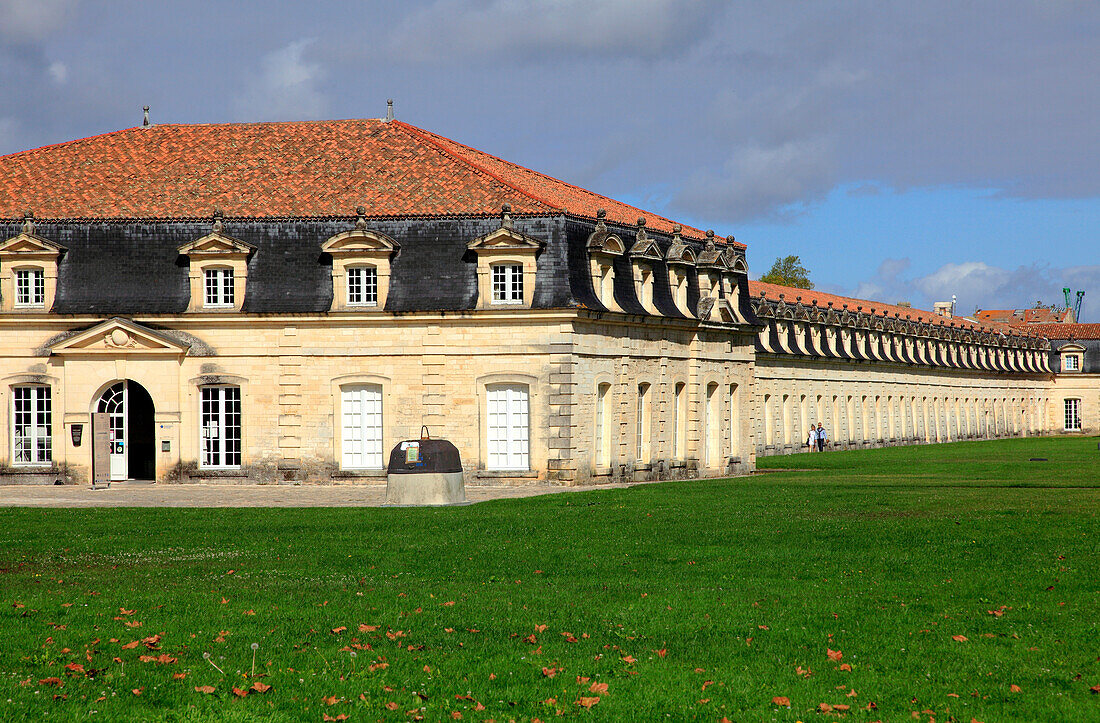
(791, 294)
(297, 169)
(1067, 331)
(1016, 317)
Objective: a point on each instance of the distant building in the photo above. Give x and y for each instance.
(1022, 317)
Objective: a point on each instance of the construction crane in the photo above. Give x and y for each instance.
(1076, 305)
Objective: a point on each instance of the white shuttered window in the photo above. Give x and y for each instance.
(362, 425)
(507, 427)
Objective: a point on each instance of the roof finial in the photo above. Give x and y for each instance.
(730, 239)
(506, 216)
(28, 221)
(709, 243)
(389, 109)
(361, 221)
(145, 123)
(641, 235)
(218, 227)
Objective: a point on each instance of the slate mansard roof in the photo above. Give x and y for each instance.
(122, 204)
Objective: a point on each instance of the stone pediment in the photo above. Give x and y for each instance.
(119, 336)
(645, 249)
(359, 241)
(216, 244)
(504, 238)
(30, 243)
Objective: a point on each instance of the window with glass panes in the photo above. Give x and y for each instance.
(221, 426)
(507, 427)
(362, 285)
(361, 414)
(1073, 415)
(219, 287)
(1071, 363)
(508, 284)
(30, 287)
(32, 416)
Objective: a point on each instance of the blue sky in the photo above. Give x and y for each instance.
(906, 151)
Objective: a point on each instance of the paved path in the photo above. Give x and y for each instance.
(200, 495)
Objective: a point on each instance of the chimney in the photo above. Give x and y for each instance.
(389, 110)
(943, 308)
(145, 123)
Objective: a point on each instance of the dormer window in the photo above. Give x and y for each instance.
(1071, 355)
(680, 257)
(218, 270)
(30, 288)
(360, 267)
(362, 285)
(506, 264)
(28, 270)
(604, 282)
(643, 286)
(218, 288)
(507, 283)
(603, 246)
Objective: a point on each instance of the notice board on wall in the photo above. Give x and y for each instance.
(101, 449)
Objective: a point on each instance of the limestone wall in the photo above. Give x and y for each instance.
(864, 404)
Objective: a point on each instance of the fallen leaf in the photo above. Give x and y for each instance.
(588, 702)
(662, 652)
(131, 645)
(782, 700)
(540, 628)
(137, 691)
(364, 628)
(582, 680)
(825, 708)
(239, 693)
(841, 707)
(707, 684)
(132, 623)
(1015, 688)
(331, 700)
(179, 676)
(204, 689)
(337, 631)
(340, 717)
(531, 639)
(260, 687)
(50, 681)
(75, 668)
(834, 655)
(549, 672)
(851, 694)
(959, 638)
(391, 705)
(598, 688)
(124, 611)
(844, 666)
(1095, 690)
(629, 659)
(448, 604)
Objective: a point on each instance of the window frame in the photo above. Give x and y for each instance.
(40, 399)
(1073, 357)
(365, 442)
(221, 401)
(30, 281)
(222, 274)
(511, 424)
(1071, 419)
(510, 289)
(366, 277)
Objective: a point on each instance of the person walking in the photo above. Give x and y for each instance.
(811, 440)
(822, 437)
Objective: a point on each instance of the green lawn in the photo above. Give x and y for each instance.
(687, 600)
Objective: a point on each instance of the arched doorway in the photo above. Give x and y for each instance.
(133, 439)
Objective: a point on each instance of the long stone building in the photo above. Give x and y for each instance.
(284, 302)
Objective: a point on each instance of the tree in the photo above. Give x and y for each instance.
(788, 271)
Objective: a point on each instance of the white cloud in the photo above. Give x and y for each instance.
(59, 72)
(33, 19)
(524, 28)
(286, 87)
(980, 285)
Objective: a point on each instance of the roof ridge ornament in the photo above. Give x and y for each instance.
(28, 222)
(641, 236)
(145, 122)
(708, 245)
(676, 229)
(389, 109)
(506, 217)
(217, 226)
(361, 218)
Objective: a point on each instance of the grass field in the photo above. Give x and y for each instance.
(957, 582)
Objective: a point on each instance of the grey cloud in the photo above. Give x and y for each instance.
(286, 87)
(524, 29)
(33, 20)
(773, 180)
